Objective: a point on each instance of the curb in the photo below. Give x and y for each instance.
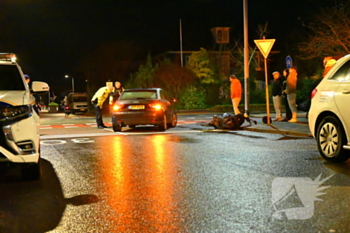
(283, 132)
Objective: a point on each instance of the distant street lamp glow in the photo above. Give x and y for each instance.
(67, 76)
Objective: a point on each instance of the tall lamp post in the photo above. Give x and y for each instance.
(246, 58)
(67, 76)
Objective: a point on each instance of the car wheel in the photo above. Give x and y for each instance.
(163, 125)
(173, 122)
(330, 140)
(115, 125)
(31, 171)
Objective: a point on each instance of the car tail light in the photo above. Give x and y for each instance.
(67, 107)
(117, 107)
(155, 106)
(313, 93)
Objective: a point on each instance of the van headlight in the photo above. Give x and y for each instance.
(14, 112)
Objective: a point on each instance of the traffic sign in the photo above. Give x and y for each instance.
(289, 62)
(265, 46)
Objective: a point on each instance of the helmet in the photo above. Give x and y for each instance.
(26, 76)
(225, 115)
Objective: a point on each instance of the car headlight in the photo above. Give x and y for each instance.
(14, 112)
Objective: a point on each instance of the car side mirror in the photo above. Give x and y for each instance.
(40, 88)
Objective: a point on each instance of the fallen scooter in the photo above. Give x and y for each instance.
(230, 121)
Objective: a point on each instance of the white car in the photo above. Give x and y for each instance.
(19, 122)
(329, 115)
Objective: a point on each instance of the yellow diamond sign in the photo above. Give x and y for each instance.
(265, 46)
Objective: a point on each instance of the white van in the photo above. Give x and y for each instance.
(19, 135)
(77, 103)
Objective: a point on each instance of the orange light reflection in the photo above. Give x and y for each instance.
(139, 181)
(162, 190)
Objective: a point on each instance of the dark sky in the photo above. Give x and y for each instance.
(51, 36)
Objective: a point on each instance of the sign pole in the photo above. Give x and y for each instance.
(265, 46)
(267, 93)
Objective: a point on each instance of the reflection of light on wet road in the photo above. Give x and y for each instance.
(163, 182)
(117, 180)
(139, 177)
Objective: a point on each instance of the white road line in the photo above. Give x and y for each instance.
(68, 127)
(46, 128)
(114, 134)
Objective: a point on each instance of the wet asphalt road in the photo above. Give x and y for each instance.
(179, 181)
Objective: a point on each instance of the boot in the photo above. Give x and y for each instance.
(294, 118)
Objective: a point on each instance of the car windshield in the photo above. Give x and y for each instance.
(127, 95)
(10, 78)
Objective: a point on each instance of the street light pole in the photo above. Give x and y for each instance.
(67, 76)
(246, 59)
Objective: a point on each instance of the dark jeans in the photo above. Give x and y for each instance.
(288, 111)
(98, 113)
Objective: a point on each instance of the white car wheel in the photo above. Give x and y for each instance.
(330, 140)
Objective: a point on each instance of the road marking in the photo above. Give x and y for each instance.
(114, 134)
(61, 126)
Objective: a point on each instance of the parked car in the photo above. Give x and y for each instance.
(20, 136)
(329, 113)
(144, 106)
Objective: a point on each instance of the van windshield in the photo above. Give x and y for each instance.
(80, 99)
(10, 78)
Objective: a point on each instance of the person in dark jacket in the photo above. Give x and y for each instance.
(277, 95)
(114, 95)
(285, 99)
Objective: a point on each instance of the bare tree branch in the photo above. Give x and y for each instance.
(329, 34)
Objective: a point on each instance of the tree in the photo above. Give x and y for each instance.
(144, 77)
(199, 63)
(329, 33)
(173, 78)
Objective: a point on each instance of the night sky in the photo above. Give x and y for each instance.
(50, 37)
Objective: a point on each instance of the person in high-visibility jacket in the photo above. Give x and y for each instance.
(98, 99)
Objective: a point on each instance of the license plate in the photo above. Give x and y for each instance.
(136, 107)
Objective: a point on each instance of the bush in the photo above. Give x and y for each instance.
(53, 104)
(257, 96)
(192, 97)
(305, 88)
